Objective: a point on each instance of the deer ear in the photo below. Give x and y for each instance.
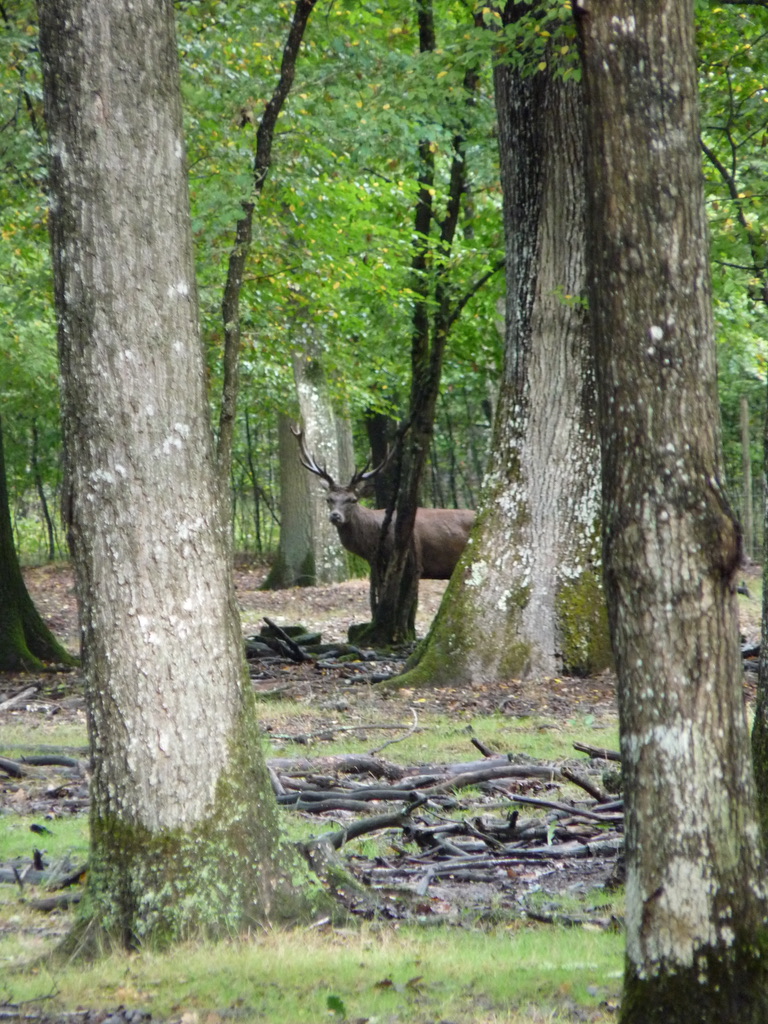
(366, 489)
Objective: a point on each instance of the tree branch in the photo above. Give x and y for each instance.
(238, 256)
(474, 289)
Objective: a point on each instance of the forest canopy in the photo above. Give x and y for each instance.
(334, 235)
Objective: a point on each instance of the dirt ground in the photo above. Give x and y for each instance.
(331, 610)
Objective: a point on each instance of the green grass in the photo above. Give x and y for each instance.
(25, 933)
(388, 974)
(66, 837)
(514, 973)
(28, 737)
(440, 738)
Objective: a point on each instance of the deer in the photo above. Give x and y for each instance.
(439, 534)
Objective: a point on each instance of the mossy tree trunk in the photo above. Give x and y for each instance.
(696, 890)
(184, 832)
(527, 596)
(25, 640)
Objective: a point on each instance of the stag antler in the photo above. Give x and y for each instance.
(368, 474)
(308, 461)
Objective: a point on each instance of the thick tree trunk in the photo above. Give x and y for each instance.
(184, 833)
(760, 722)
(25, 640)
(322, 433)
(527, 598)
(310, 552)
(294, 564)
(696, 897)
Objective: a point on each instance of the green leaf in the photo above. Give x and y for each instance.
(336, 1005)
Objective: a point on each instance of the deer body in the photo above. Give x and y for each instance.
(439, 534)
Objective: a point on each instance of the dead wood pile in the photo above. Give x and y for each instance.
(474, 821)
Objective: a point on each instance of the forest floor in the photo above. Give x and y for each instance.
(306, 705)
(332, 609)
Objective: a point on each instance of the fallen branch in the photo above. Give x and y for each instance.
(484, 750)
(18, 699)
(15, 769)
(555, 805)
(330, 731)
(292, 649)
(508, 771)
(330, 804)
(611, 923)
(362, 794)
(61, 902)
(586, 784)
(399, 739)
(353, 764)
(367, 825)
(602, 752)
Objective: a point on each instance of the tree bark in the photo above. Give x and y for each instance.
(294, 563)
(309, 550)
(40, 488)
(760, 722)
(381, 430)
(746, 481)
(323, 434)
(696, 897)
(184, 832)
(25, 640)
(527, 597)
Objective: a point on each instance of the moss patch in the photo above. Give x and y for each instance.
(582, 616)
(218, 877)
(726, 983)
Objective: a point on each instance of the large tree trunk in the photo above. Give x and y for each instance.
(323, 434)
(184, 832)
(696, 899)
(760, 722)
(25, 640)
(309, 550)
(527, 598)
(294, 564)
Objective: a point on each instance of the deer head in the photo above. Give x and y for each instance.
(340, 498)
